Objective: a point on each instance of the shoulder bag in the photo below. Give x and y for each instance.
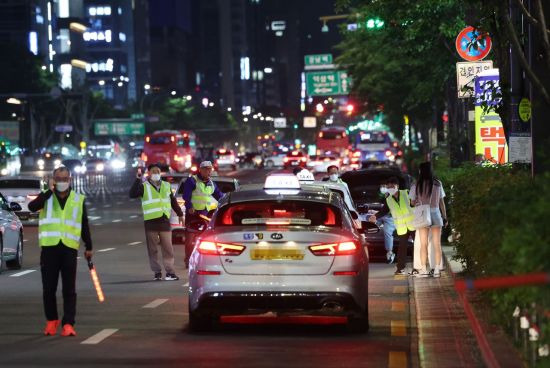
(422, 215)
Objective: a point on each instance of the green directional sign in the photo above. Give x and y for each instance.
(327, 83)
(119, 127)
(318, 60)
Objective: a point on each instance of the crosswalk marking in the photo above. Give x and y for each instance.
(22, 273)
(106, 249)
(155, 303)
(117, 220)
(398, 328)
(397, 359)
(135, 243)
(100, 336)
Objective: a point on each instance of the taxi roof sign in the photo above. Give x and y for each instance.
(281, 181)
(305, 176)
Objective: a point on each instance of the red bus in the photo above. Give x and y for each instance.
(332, 139)
(172, 148)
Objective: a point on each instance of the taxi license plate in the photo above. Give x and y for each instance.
(294, 163)
(272, 254)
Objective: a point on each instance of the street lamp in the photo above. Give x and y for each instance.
(173, 93)
(14, 101)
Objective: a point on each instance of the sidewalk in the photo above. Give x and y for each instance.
(445, 337)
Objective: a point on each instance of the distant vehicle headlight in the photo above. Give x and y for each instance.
(80, 169)
(4, 171)
(40, 162)
(57, 163)
(118, 164)
(99, 167)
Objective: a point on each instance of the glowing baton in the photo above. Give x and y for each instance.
(205, 218)
(95, 280)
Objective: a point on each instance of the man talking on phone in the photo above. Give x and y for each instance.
(157, 201)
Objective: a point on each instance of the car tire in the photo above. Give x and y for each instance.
(200, 323)
(17, 263)
(359, 323)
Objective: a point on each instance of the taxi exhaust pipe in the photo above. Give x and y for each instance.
(332, 306)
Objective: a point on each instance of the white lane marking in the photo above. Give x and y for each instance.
(94, 218)
(155, 303)
(117, 220)
(186, 284)
(92, 209)
(133, 216)
(106, 206)
(22, 273)
(106, 249)
(135, 243)
(100, 336)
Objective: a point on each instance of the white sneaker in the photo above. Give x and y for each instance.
(423, 273)
(437, 272)
(390, 257)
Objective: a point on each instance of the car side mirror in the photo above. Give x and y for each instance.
(368, 227)
(14, 206)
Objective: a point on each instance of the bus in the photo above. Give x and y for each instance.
(173, 149)
(332, 140)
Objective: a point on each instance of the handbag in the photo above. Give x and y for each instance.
(422, 214)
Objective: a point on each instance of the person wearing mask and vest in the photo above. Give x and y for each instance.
(62, 223)
(387, 226)
(201, 196)
(398, 205)
(157, 202)
(334, 176)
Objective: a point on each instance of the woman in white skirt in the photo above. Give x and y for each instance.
(429, 190)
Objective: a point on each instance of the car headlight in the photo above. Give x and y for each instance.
(118, 164)
(80, 169)
(99, 167)
(57, 163)
(40, 162)
(4, 171)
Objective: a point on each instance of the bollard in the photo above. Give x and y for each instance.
(524, 325)
(515, 323)
(533, 338)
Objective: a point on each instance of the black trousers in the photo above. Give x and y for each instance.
(53, 261)
(402, 250)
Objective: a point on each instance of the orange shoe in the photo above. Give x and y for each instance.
(51, 327)
(68, 330)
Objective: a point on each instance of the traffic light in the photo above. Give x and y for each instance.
(320, 108)
(374, 23)
(295, 126)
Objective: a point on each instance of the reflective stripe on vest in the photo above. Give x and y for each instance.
(155, 203)
(401, 212)
(65, 225)
(201, 197)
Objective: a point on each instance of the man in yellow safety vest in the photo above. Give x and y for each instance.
(157, 202)
(62, 223)
(201, 196)
(399, 205)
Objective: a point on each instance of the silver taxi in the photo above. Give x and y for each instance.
(280, 252)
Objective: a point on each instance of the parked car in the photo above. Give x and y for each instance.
(274, 161)
(22, 190)
(295, 159)
(11, 235)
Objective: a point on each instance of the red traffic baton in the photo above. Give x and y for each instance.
(95, 280)
(503, 281)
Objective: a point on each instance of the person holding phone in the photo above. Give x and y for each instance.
(157, 201)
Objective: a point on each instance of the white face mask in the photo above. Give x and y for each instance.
(155, 177)
(383, 190)
(61, 186)
(392, 190)
(333, 177)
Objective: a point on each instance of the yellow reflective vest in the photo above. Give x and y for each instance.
(201, 197)
(401, 212)
(65, 225)
(155, 203)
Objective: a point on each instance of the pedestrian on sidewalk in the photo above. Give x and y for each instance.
(388, 227)
(429, 190)
(157, 202)
(62, 223)
(399, 206)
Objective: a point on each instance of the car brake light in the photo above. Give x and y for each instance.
(144, 157)
(222, 249)
(345, 273)
(334, 249)
(285, 159)
(172, 138)
(320, 134)
(206, 272)
(147, 139)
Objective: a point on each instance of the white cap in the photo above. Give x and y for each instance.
(205, 164)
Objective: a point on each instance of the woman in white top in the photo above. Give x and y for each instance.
(429, 190)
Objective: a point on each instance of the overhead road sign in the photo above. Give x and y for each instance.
(279, 123)
(63, 128)
(318, 61)
(466, 72)
(310, 122)
(328, 83)
(119, 127)
(473, 45)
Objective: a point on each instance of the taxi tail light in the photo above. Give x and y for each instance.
(334, 249)
(147, 139)
(221, 249)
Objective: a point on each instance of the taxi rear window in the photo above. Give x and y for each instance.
(279, 213)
